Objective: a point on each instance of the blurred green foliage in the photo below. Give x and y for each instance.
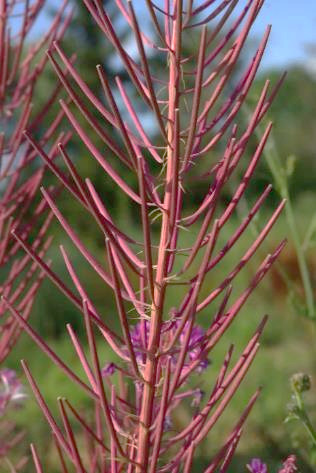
(294, 116)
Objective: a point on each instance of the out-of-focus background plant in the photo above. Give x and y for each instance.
(298, 410)
(22, 67)
(287, 294)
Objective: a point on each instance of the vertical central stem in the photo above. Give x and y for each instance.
(162, 258)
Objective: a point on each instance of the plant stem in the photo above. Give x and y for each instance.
(304, 416)
(165, 238)
(280, 178)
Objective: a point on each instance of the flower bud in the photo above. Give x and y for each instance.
(301, 382)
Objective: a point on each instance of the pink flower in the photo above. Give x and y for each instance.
(257, 466)
(168, 330)
(11, 390)
(289, 466)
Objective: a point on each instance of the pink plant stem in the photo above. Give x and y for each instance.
(144, 37)
(101, 391)
(210, 213)
(113, 460)
(86, 427)
(15, 139)
(165, 347)
(249, 253)
(198, 418)
(196, 99)
(239, 231)
(173, 250)
(235, 432)
(45, 409)
(136, 120)
(253, 162)
(4, 62)
(53, 168)
(64, 289)
(145, 68)
(220, 24)
(122, 314)
(108, 93)
(98, 156)
(3, 44)
(88, 115)
(225, 40)
(201, 433)
(107, 335)
(36, 460)
(30, 294)
(231, 451)
(45, 109)
(104, 22)
(175, 173)
(94, 205)
(5, 238)
(237, 49)
(82, 357)
(132, 455)
(161, 418)
(161, 271)
(122, 238)
(146, 227)
(189, 459)
(203, 6)
(218, 330)
(51, 32)
(153, 16)
(75, 457)
(227, 382)
(242, 90)
(188, 314)
(46, 349)
(167, 23)
(86, 91)
(83, 250)
(22, 123)
(60, 455)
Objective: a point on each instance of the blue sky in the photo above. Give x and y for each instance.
(293, 25)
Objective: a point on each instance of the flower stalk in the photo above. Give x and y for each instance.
(196, 118)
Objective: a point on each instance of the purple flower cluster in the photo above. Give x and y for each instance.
(139, 338)
(257, 466)
(195, 349)
(11, 390)
(140, 333)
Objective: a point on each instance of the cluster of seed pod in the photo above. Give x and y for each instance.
(198, 123)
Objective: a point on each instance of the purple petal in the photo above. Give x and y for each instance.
(108, 369)
(257, 466)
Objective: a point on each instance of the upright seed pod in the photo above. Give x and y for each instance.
(200, 133)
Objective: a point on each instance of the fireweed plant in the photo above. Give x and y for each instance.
(196, 112)
(21, 68)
